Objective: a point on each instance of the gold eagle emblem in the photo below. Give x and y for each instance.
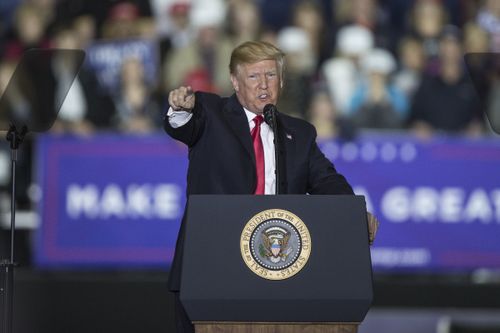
(274, 244)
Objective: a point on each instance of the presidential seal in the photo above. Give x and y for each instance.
(275, 244)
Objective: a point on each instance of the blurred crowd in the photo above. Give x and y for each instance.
(351, 64)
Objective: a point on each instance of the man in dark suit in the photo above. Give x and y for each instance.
(231, 149)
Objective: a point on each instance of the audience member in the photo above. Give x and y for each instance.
(204, 61)
(29, 31)
(325, 118)
(300, 65)
(122, 21)
(85, 27)
(369, 14)
(275, 15)
(85, 107)
(243, 21)
(342, 72)
(7, 10)
(489, 19)
(46, 11)
(412, 61)
(136, 107)
(307, 15)
(447, 102)
(146, 28)
(172, 20)
(376, 103)
(172, 25)
(475, 38)
(427, 20)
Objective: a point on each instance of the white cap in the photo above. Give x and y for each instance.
(354, 40)
(293, 39)
(378, 61)
(208, 13)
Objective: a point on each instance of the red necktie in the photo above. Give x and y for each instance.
(258, 148)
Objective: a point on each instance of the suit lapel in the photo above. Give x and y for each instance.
(238, 123)
(287, 152)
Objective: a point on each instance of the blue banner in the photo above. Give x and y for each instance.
(106, 58)
(118, 200)
(109, 200)
(438, 201)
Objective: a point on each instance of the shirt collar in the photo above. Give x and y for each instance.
(250, 115)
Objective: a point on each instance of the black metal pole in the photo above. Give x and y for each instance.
(9, 283)
(277, 147)
(13, 203)
(8, 296)
(270, 115)
(7, 287)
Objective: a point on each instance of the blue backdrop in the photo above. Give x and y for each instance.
(109, 200)
(117, 201)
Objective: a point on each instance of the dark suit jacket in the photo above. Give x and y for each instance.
(222, 160)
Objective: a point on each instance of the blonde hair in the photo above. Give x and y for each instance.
(255, 51)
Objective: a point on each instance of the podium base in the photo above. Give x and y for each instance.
(227, 327)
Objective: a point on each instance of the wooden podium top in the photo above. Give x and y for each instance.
(235, 327)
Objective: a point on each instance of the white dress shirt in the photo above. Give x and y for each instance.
(180, 118)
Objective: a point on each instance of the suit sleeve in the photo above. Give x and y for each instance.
(323, 178)
(190, 132)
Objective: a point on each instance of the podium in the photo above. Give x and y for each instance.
(285, 263)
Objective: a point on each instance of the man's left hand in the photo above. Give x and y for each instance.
(373, 224)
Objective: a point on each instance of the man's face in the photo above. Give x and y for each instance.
(257, 84)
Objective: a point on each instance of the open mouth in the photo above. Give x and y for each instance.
(264, 97)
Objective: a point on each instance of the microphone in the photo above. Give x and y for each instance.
(270, 115)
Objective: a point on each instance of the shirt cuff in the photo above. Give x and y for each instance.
(178, 118)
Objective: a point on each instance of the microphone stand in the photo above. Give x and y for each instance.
(270, 118)
(277, 147)
(7, 265)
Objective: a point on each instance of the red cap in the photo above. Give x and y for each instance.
(179, 8)
(124, 11)
(199, 80)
